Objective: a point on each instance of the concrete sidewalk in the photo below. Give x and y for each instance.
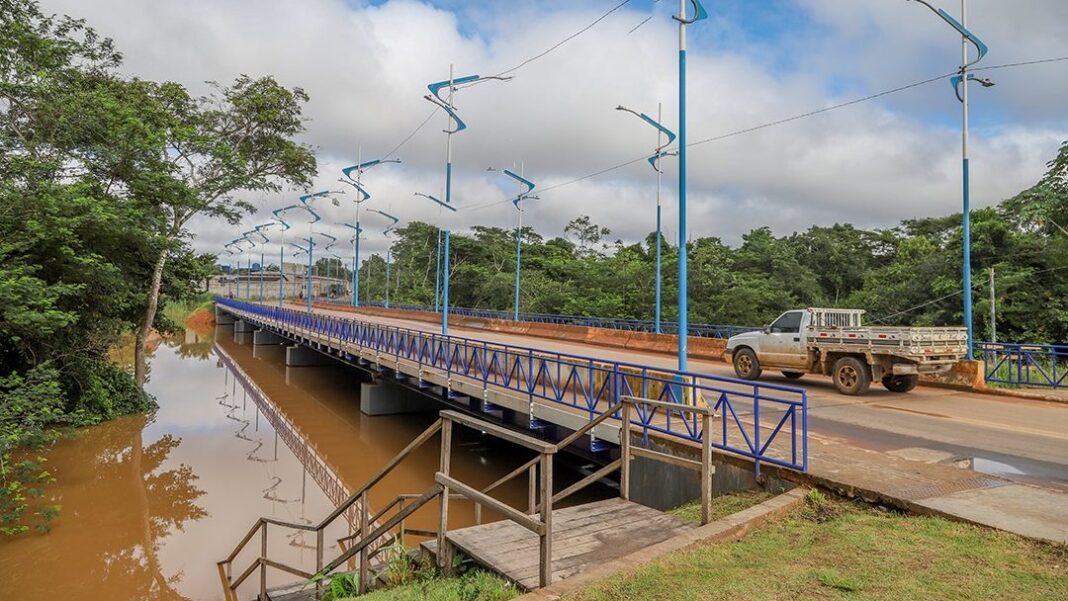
(914, 481)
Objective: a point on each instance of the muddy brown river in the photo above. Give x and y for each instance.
(151, 503)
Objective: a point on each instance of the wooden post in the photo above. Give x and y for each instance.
(624, 453)
(706, 469)
(263, 565)
(400, 526)
(532, 489)
(545, 572)
(365, 569)
(444, 556)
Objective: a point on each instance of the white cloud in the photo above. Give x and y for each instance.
(872, 164)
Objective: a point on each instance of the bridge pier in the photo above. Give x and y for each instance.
(301, 356)
(263, 337)
(388, 398)
(243, 327)
(223, 318)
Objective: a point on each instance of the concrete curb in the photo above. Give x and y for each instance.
(730, 528)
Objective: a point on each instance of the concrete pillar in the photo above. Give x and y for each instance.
(263, 337)
(389, 398)
(223, 318)
(243, 327)
(302, 356)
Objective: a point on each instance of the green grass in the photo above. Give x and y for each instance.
(178, 310)
(830, 549)
(476, 585)
(722, 506)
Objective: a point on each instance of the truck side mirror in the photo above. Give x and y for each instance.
(767, 329)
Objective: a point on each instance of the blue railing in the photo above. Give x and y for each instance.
(701, 330)
(755, 420)
(1042, 365)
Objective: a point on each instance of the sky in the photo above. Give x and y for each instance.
(366, 64)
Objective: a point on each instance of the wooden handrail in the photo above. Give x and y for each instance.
(566, 442)
(500, 432)
(681, 407)
(321, 526)
(508, 511)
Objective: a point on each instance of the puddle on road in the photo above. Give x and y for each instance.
(988, 466)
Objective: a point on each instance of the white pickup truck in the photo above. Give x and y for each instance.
(833, 342)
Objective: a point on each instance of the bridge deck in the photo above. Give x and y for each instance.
(583, 535)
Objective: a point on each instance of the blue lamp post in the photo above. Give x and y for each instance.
(248, 283)
(960, 88)
(447, 104)
(524, 194)
(437, 250)
(654, 160)
(305, 202)
(393, 222)
(684, 322)
(259, 229)
(281, 249)
(361, 195)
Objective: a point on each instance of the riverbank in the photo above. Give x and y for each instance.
(830, 548)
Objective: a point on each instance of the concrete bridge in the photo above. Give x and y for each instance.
(994, 460)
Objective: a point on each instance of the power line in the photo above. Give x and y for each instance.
(565, 40)
(515, 68)
(789, 120)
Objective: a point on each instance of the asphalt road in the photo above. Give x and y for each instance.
(1020, 439)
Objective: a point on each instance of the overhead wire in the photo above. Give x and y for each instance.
(782, 121)
(513, 69)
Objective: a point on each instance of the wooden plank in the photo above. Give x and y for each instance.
(583, 483)
(508, 511)
(670, 406)
(689, 464)
(580, 537)
(500, 431)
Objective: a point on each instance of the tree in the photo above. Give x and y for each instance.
(241, 138)
(587, 233)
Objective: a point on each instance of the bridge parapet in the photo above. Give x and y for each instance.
(767, 423)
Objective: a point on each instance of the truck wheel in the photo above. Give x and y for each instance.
(851, 376)
(793, 375)
(900, 383)
(746, 364)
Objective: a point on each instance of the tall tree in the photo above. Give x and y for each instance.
(239, 139)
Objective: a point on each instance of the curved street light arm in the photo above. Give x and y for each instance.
(954, 81)
(980, 47)
(360, 191)
(360, 168)
(460, 125)
(699, 13)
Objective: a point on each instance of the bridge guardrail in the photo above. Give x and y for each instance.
(1043, 365)
(755, 420)
(700, 330)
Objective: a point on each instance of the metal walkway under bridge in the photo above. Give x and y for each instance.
(550, 393)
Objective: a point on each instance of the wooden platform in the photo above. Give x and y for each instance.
(583, 535)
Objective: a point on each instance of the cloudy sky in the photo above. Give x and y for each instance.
(365, 65)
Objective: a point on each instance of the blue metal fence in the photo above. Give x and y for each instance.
(701, 330)
(765, 422)
(1042, 365)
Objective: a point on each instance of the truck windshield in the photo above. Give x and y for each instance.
(787, 323)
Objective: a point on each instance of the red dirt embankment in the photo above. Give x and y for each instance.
(201, 321)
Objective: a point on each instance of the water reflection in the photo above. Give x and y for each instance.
(149, 504)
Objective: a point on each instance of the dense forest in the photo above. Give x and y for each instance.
(909, 274)
(99, 173)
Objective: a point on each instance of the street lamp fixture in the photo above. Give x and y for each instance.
(526, 186)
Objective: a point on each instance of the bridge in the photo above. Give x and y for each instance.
(951, 452)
